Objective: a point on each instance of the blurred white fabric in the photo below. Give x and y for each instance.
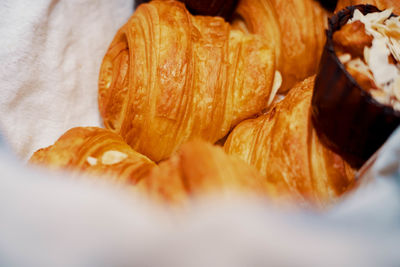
(50, 53)
(56, 221)
(50, 56)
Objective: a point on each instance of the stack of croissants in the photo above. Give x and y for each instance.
(195, 105)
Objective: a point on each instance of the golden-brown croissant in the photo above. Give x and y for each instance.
(381, 4)
(199, 168)
(169, 77)
(283, 145)
(95, 151)
(295, 28)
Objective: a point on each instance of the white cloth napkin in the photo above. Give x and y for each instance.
(50, 56)
(56, 221)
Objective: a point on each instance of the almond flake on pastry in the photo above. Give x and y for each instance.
(376, 64)
(91, 160)
(113, 157)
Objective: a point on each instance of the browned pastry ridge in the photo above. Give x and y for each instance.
(380, 4)
(169, 77)
(295, 29)
(94, 151)
(199, 169)
(283, 145)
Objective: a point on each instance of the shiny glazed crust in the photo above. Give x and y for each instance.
(87, 150)
(294, 28)
(169, 77)
(283, 145)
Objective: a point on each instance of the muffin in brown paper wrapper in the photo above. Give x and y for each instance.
(348, 118)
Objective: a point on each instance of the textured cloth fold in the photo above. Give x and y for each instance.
(50, 56)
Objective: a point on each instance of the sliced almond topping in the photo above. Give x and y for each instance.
(113, 157)
(275, 87)
(379, 95)
(366, 55)
(345, 58)
(378, 68)
(91, 160)
(384, 73)
(394, 46)
(359, 66)
(396, 106)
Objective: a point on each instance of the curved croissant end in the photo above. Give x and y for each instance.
(198, 169)
(95, 151)
(295, 29)
(283, 145)
(169, 77)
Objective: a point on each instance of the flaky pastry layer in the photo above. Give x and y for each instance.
(199, 169)
(284, 146)
(169, 77)
(294, 28)
(95, 151)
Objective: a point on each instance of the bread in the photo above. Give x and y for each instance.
(199, 169)
(294, 28)
(284, 146)
(169, 77)
(94, 151)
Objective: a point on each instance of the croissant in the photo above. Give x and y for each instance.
(294, 28)
(94, 151)
(169, 77)
(198, 169)
(381, 4)
(284, 146)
